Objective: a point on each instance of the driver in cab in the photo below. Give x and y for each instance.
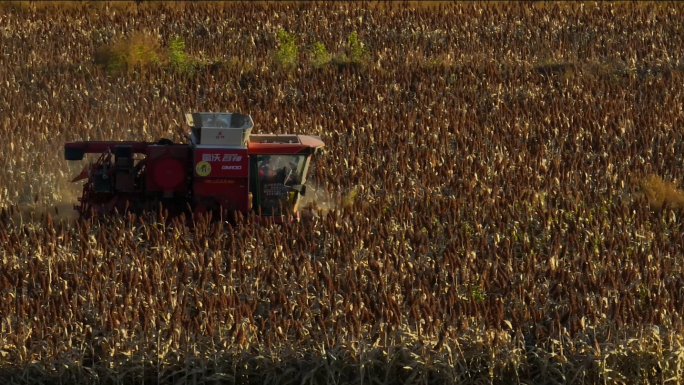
(268, 171)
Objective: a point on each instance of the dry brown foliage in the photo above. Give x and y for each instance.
(659, 192)
(137, 50)
(474, 228)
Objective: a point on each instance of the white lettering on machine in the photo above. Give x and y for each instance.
(217, 158)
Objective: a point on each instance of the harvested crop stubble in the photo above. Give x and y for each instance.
(493, 236)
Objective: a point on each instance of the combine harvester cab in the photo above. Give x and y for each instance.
(223, 168)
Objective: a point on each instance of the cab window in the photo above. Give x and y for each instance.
(273, 177)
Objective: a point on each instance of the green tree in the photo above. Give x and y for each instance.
(320, 56)
(177, 53)
(287, 49)
(357, 51)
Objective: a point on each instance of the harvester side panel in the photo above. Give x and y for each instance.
(231, 194)
(221, 175)
(221, 162)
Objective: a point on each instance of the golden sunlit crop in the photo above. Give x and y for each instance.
(499, 200)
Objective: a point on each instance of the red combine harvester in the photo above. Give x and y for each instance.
(223, 168)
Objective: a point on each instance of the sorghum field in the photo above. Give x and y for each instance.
(498, 201)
